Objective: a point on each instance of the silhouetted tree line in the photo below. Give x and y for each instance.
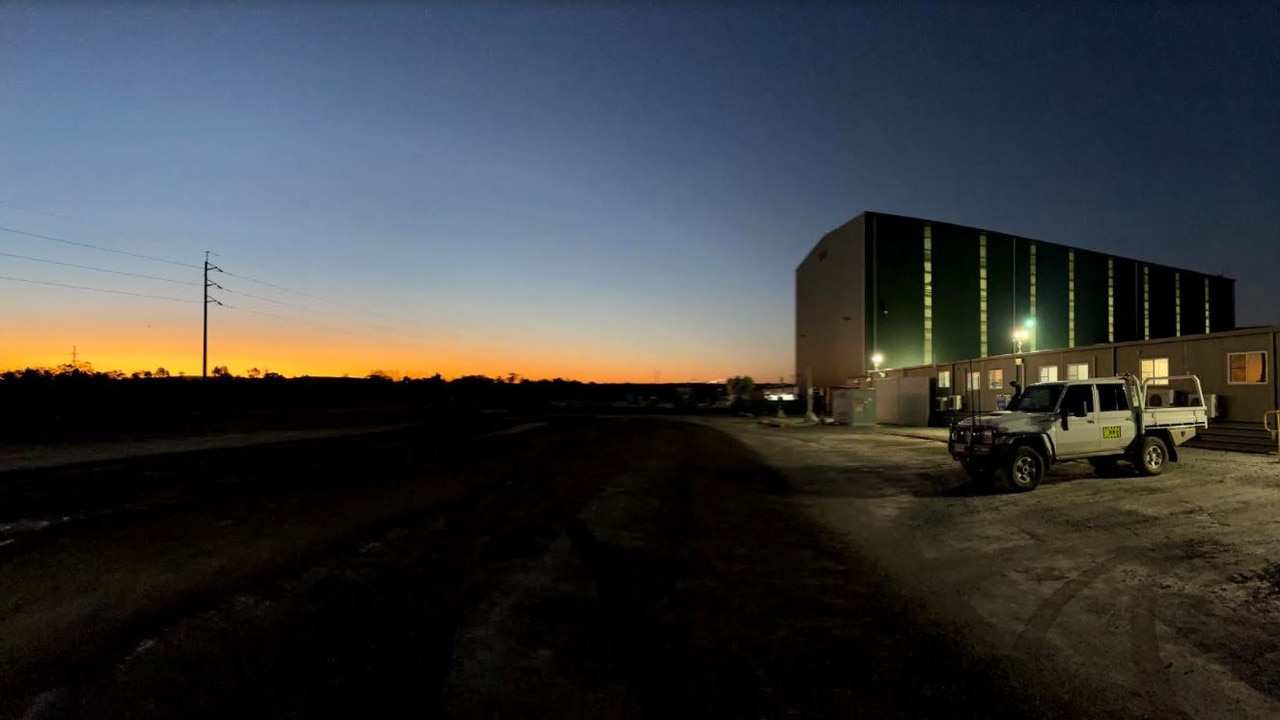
(79, 402)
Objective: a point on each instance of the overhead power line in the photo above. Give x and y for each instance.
(289, 319)
(88, 224)
(97, 247)
(267, 299)
(97, 269)
(311, 295)
(99, 290)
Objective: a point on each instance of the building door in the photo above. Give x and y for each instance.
(1083, 434)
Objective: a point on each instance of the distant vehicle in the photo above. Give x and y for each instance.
(1102, 420)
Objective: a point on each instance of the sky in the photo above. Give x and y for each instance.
(589, 191)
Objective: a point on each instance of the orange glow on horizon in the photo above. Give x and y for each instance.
(135, 338)
(180, 354)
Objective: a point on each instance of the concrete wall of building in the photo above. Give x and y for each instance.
(1091, 299)
(1206, 356)
(895, 289)
(955, 300)
(830, 308)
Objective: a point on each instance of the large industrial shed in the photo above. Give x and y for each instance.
(938, 300)
(920, 292)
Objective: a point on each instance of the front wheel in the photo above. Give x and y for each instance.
(1153, 455)
(1024, 470)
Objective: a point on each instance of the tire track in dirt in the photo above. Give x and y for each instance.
(1031, 639)
(1148, 666)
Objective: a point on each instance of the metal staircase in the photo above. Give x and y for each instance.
(1235, 437)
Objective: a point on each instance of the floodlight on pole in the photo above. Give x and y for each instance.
(1019, 336)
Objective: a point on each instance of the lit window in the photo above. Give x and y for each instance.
(1032, 290)
(944, 379)
(1049, 373)
(975, 380)
(1111, 299)
(995, 379)
(1071, 298)
(928, 293)
(982, 294)
(1078, 371)
(1155, 368)
(1177, 304)
(1247, 368)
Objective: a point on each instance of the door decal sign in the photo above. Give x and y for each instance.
(1110, 431)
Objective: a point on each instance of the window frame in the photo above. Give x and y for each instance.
(947, 384)
(1040, 373)
(994, 383)
(1091, 394)
(974, 381)
(1120, 392)
(1142, 373)
(1088, 371)
(1246, 354)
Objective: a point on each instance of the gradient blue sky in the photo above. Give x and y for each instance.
(612, 192)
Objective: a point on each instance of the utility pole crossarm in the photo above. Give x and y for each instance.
(204, 355)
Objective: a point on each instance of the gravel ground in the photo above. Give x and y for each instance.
(633, 568)
(1165, 590)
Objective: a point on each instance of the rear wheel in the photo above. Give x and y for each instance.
(1024, 470)
(1153, 456)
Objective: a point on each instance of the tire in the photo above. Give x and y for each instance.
(1023, 470)
(1153, 456)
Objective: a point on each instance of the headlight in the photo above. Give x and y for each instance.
(985, 436)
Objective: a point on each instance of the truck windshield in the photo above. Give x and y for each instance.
(1038, 398)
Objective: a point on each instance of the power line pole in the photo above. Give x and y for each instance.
(204, 356)
(74, 356)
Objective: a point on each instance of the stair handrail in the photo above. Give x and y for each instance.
(1275, 431)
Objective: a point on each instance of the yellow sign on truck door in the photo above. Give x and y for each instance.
(1110, 432)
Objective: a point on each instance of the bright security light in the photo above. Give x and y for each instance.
(1029, 322)
(877, 359)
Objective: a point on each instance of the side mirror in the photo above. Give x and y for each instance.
(1081, 411)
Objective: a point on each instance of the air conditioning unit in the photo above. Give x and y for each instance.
(957, 402)
(1211, 402)
(941, 403)
(1159, 397)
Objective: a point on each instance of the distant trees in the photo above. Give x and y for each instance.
(740, 386)
(221, 371)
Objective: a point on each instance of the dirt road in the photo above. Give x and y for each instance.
(581, 567)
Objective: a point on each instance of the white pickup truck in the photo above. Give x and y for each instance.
(1102, 420)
